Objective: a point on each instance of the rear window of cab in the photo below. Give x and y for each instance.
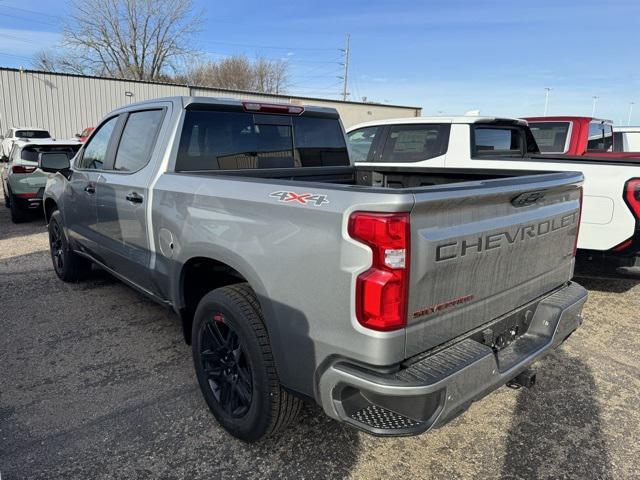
(216, 140)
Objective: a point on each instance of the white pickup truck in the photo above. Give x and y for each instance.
(610, 226)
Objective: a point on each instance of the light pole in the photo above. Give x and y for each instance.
(546, 100)
(595, 100)
(631, 104)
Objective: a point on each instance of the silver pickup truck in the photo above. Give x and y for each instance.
(393, 299)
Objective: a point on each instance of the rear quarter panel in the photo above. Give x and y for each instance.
(297, 257)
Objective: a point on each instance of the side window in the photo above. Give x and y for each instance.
(138, 139)
(361, 141)
(95, 151)
(412, 143)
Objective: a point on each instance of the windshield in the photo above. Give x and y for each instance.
(30, 153)
(551, 137)
(213, 140)
(32, 134)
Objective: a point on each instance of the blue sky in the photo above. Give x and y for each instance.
(447, 57)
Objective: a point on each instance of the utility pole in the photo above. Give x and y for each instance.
(345, 77)
(593, 110)
(546, 99)
(631, 104)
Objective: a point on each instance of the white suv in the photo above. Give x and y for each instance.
(20, 133)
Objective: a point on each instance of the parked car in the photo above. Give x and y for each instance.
(20, 133)
(577, 136)
(299, 276)
(82, 136)
(610, 227)
(22, 182)
(626, 139)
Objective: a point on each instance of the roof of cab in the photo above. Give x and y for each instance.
(45, 141)
(566, 118)
(466, 119)
(186, 101)
(37, 129)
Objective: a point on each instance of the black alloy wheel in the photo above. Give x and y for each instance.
(227, 366)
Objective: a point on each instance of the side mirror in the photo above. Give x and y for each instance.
(77, 135)
(53, 162)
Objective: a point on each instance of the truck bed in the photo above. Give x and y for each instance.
(388, 178)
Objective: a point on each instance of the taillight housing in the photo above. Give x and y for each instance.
(382, 291)
(22, 169)
(631, 196)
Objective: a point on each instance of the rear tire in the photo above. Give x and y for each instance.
(68, 265)
(235, 366)
(17, 214)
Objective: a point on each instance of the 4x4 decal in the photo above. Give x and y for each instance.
(303, 198)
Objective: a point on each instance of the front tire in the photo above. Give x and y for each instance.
(235, 366)
(68, 265)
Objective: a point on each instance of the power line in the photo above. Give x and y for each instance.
(270, 47)
(28, 19)
(11, 7)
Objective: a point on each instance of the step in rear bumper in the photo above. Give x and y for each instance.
(429, 393)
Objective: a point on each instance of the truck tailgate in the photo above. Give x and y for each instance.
(482, 249)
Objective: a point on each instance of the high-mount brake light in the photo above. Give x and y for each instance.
(22, 169)
(272, 108)
(382, 291)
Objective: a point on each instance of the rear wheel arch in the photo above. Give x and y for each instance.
(50, 206)
(200, 275)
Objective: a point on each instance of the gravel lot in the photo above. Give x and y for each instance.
(97, 383)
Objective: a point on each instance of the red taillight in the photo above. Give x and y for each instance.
(272, 108)
(22, 169)
(26, 195)
(632, 196)
(382, 291)
(575, 244)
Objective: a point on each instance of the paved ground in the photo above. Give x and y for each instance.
(97, 383)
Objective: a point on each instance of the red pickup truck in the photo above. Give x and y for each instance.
(576, 136)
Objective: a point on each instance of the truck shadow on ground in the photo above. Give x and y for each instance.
(556, 428)
(115, 392)
(606, 284)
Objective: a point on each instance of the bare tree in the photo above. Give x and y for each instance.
(239, 73)
(135, 39)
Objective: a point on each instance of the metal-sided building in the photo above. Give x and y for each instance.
(65, 103)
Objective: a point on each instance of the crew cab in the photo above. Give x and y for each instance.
(20, 133)
(299, 276)
(610, 226)
(577, 136)
(22, 181)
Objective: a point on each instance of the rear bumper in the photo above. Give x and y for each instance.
(28, 200)
(432, 391)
